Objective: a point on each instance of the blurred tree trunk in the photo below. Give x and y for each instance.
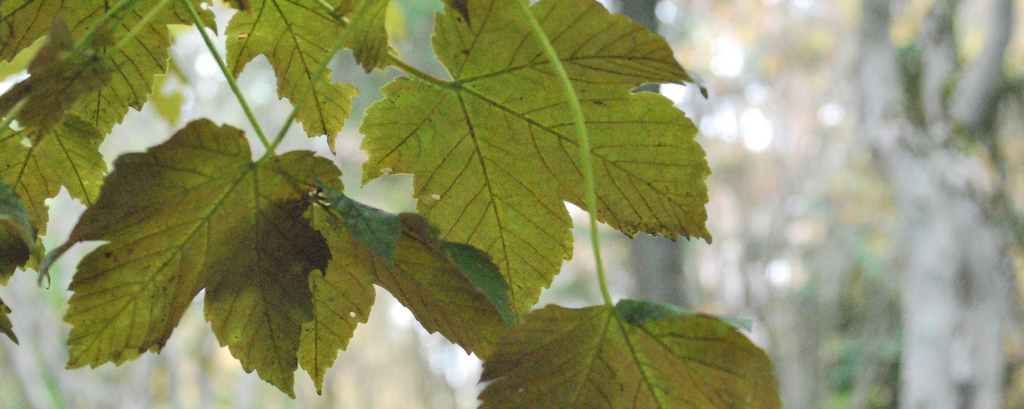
(657, 262)
(918, 108)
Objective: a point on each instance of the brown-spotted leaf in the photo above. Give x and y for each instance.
(342, 296)
(297, 37)
(597, 358)
(67, 157)
(196, 212)
(495, 153)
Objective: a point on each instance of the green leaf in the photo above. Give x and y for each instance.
(342, 295)
(17, 236)
(134, 65)
(67, 157)
(494, 153)
(5, 323)
(296, 37)
(368, 37)
(461, 300)
(440, 295)
(592, 358)
(59, 78)
(374, 228)
(194, 213)
(478, 267)
(638, 312)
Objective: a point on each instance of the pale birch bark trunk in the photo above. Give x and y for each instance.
(955, 276)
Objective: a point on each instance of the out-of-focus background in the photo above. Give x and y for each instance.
(866, 207)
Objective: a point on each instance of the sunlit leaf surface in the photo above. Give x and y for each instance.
(196, 212)
(67, 157)
(297, 37)
(495, 154)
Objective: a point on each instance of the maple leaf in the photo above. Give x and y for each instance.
(196, 212)
(342, 295)
(441, 292)
(368, 37)
(59, 76)
(297, 38)
(627, 356)
(133, 66)
(17, 236)
(494, 153)
(67, 157)
(5, 323)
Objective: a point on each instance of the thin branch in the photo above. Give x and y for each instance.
(227, 75)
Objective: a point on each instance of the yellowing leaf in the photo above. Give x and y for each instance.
(297, 37)
(59, 76)
(451, 288)
(494, 153)
(134, 65)
(194, 213)
(67, 157)
(342, 296)
(16, 233)
(368, 36)
(5, 323)
(441, 297)
(595, 358)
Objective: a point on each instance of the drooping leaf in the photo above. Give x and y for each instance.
(440, 295)
(342, 295)
(464, 300)
(494, 153)
(134, 65)
(636, 312)
(196, 212)
(595, 358)
(59, 77)
(368, 37)
(374, 228)
(478, 267)
(16, 233)
(296, 37)
(67, 157)
(5, 323)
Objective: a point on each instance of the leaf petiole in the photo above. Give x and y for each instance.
(6, 125)
(228, 76)
(581, 132)
(394, 60)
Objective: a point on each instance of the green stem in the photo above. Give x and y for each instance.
(6, 125)
(228, 76)
(138, 27)
(307, 91)
(584, 139)
(393, 59)
(414, 72)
